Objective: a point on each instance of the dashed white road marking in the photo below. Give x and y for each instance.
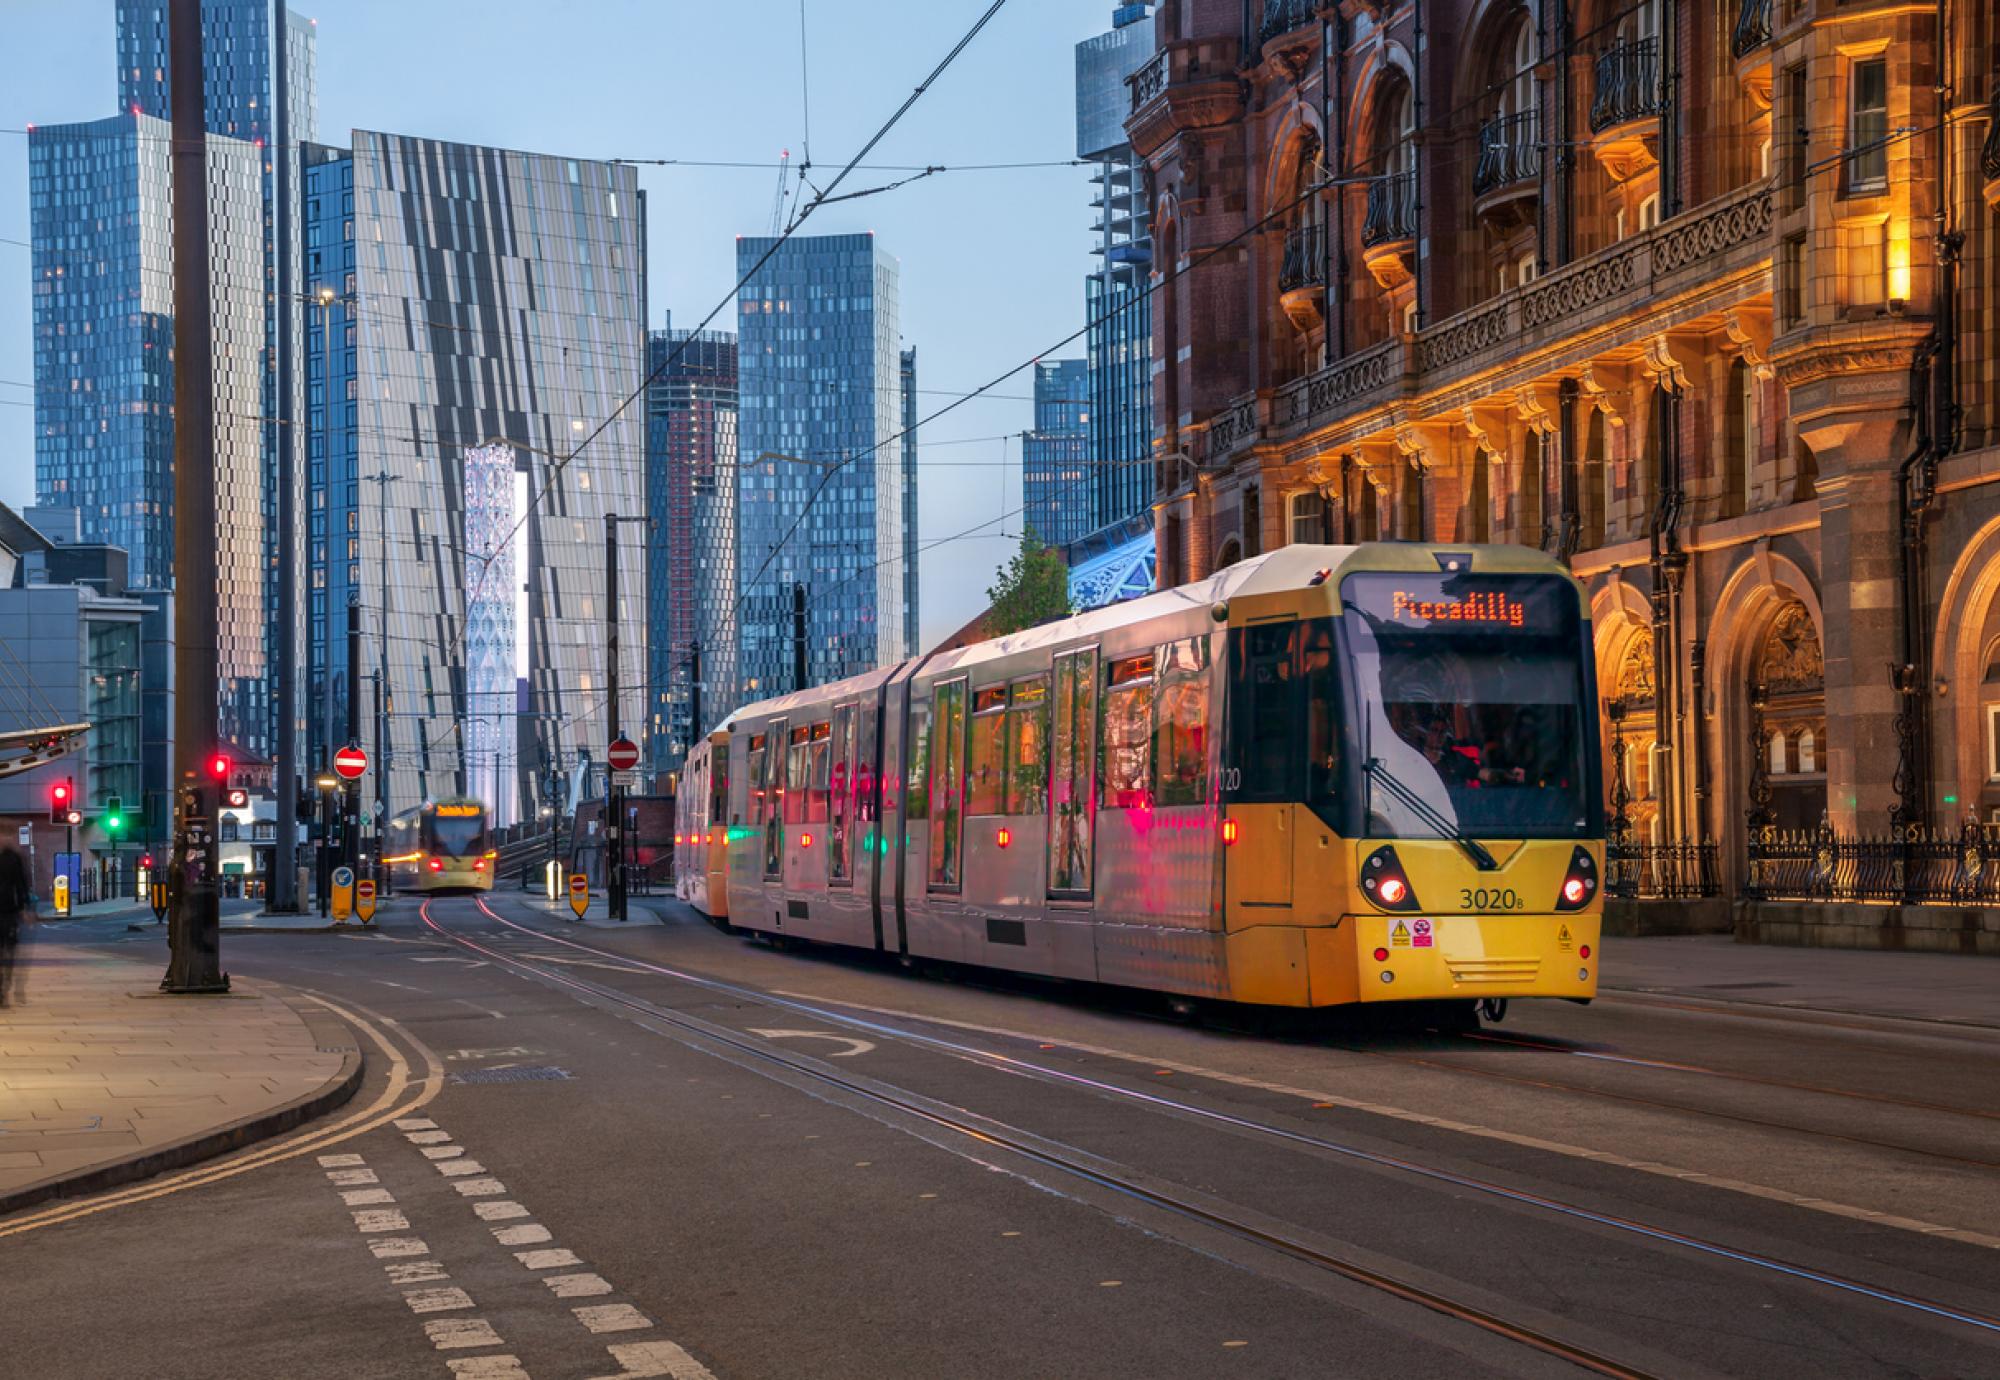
(442, 1152)
(500, 1211)
(612, 1317)
(578, 1286)
(487, 1368)
(519, 1236)
(479, 1188)
(547, 1260)
(452, 1334)
(426, 1137)
(380, 1219)
(363, 1197)
(656, 1359)
(413, 1123)
(347, 1178)
(451, 1169)
(417, 1272)
(390, 1247)
(449, 1299)
(339, 1161)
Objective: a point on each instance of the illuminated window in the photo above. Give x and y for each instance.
(1868, 126)
(1867, 248)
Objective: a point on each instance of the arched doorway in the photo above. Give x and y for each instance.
(1632, 779)
(1788, 722)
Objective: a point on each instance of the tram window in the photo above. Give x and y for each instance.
(986, 769)
(1180, 740)
(917, 786)
(798, 774)
(864, 766)
(774, 801)
(1070, 828)
(820, 756)
(839, 793)
(754, 779)
(1322, 709)
(718, 783)
(1264, 700)
(947, 784)
(1027, 747)
(1125, 752)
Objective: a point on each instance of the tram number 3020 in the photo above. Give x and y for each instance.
(1489, 898)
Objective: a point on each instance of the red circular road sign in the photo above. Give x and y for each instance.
(623, 755)
(350, 762)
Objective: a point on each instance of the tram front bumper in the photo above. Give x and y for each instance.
(1425, 958)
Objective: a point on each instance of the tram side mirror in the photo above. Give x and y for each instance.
(1219, 612)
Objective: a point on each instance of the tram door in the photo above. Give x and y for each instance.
(1072, 753)
(1265, 746)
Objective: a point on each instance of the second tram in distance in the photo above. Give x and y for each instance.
(443, 845)
(1322, 776)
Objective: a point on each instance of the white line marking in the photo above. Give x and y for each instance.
(348, 1178)
(499, 1212)
(449, 1334)
(339, 1161)
(380, 1219)
(443, 1152)
(451, 1169)
(488, 1368)
(449, 1299)
(479, 1188)
(583, 1286)
(427, 1137)
(366, 1197)
(656, 1359)
(418, 1272)
(612, 1317)
(390, 1247)
(547, 1260)
(854, 1046)
(415, 1123)
(519, 1236)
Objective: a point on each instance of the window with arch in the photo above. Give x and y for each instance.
(1778, 758)
(1808, 751)
(1509, 146)
(1392, 196)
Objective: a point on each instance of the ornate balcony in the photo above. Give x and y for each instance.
(1302, 276)
(1389, 231)
(1283, 16)
(1625, 108)
(1506, 180)
(1151, 80)
(1753, 26)
(1989, 157)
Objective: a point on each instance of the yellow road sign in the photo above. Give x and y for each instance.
(343, 894)
(579, 893)
(364, 900)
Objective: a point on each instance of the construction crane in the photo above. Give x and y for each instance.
(778, 197)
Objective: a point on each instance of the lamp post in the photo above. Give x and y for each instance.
(327, 784)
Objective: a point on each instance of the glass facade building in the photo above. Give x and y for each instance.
(691, 479)
(1055, 460)
(488, 316)
(822, 496)
(1117, 301)
(100, 199)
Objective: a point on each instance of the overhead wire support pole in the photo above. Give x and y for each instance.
(195, 964)
(614, 798)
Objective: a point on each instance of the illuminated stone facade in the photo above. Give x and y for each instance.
(1662, 287)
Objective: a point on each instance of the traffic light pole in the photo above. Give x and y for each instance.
(350, 793)
(614, 798)
(196, 935)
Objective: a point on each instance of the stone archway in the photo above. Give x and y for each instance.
(1961, 655)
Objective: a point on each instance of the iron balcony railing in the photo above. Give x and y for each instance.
(1392, 210)
(1989, 158)
(1753, 26)
(1282, 16)
(1628, 83)
(1662, 871)
(1304, 264)
(1510, 151)
(1919, 867)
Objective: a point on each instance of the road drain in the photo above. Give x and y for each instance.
(523, 1074)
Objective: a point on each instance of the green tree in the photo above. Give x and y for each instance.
(1032, 588)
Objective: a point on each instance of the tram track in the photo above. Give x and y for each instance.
(1092, 1169)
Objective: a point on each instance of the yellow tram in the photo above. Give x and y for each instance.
(1323, 776)
(443, 845)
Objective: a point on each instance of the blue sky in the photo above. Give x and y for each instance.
(992, 262)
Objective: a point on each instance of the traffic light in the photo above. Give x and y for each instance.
(62, 796)
(114, 816)
(219, 766)
(146, 860)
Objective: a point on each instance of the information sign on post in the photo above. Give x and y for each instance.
(343, 894)
(579, 893)
(364, 900)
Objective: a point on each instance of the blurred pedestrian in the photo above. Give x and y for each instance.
(14, 902)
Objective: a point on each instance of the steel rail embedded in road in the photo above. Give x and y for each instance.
(1016, 1140)
(1573, 1211)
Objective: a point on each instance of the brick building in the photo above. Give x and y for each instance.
(1698, 293)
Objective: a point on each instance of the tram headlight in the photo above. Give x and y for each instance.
(1385, 882)
(1579, 884)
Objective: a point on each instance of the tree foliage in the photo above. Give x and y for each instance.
(1031, 589)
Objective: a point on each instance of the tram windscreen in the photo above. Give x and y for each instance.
(458, 831)
(1467, 693)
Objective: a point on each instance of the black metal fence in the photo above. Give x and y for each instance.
(1510, 151)
(1304, 263)
(1628, 83)
(1753, 26)
(1661, 871)
(1916, 866)
(1392, 210)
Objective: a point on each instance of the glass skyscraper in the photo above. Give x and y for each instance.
(1055, 464)
(1119, 342)
(691, 479)
(487, 320)
(823, 501)
(100, 198)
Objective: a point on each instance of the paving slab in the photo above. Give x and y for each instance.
(104, 1079)
(1953, 988)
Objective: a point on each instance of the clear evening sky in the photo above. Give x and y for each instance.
(992, 261)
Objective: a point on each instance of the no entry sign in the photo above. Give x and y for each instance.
(350, 762)
(623, 755)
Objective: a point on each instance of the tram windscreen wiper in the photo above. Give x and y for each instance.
(1428, 813)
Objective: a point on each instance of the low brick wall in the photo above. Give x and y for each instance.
(1846, 925)
(1638, 919)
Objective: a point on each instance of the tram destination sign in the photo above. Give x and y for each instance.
(1527, 604)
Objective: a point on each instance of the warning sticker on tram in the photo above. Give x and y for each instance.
(1420, 934)
(1562, 938)
(1400, 935)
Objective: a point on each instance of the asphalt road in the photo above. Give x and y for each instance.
(664, 1150)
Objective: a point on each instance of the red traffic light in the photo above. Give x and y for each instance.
(61, 793)
(219, 766)
(146, 860)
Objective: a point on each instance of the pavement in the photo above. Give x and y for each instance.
(104, 1080)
